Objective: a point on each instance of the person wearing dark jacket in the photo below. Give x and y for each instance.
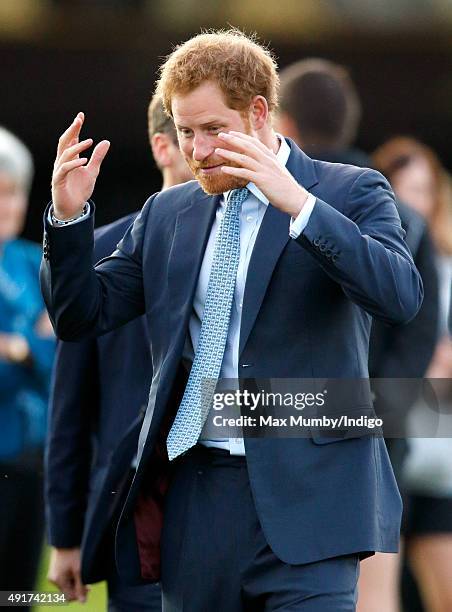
(99, 396)
(270, 264)
(321, 110)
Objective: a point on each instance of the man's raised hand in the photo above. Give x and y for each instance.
(74, 177)
(255, 162)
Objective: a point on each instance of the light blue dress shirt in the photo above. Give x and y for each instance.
(252, 213)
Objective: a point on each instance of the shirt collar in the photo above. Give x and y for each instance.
(282, 156)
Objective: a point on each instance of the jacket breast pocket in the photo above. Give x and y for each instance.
(353, 424)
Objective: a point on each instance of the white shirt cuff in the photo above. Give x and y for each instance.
(73, 222)
(297, 225)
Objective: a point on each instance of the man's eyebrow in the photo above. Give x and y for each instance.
(203, 125)
(213, 122)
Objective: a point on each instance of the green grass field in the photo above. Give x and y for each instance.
(96, 599)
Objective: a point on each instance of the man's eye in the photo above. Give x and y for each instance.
(214, 129)
(185, 133)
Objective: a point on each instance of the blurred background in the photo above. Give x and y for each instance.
(101, 56)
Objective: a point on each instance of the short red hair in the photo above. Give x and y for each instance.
(241, 67)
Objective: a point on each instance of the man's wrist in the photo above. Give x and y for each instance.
(57, 221)
(298, 205)
(298, 225)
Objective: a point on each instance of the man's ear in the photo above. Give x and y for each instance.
(160, 149)
(258, 112)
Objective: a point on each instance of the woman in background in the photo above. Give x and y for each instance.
(26, 355)
(418, 179)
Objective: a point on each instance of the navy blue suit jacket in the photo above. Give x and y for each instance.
(307, 313)
(98, 400)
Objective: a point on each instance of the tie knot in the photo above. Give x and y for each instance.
(237, 197)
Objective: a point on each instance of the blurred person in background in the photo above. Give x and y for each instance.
(417, 176)
(100, 390)
(26, 355)
(320, 109)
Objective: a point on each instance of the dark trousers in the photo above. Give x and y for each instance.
(121, 596)
(21, 522)
(215, 557)
(124, 598)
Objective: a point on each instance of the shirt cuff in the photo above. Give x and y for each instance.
(297, 225)
(81, 217)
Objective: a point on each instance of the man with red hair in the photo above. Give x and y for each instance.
(269, 265)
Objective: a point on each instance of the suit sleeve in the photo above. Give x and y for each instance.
(72, 410)
(405, 351)
(73, 421)
(83, 301)
(364, 250)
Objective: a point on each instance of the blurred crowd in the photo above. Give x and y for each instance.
(26, 354)
(320, 110)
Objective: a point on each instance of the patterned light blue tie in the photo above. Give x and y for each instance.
(197, 399)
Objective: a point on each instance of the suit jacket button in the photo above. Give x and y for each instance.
(323, 247)
(316, 242)
(334, 258)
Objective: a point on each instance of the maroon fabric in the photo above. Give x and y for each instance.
(148, 513)
(148, 519)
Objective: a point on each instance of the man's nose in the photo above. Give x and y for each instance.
(202, 148)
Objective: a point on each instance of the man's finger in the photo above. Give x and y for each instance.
(243, 173)
(73, 151)
(70, 134)
(68, 586)
(246, 145)
(60, 174)
(251, 139)
(64, 583)
(99, 153)
(58, 157)
(81, 590)
(249, 143)
(244, 161)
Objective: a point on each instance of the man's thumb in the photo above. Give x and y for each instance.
(97, 157)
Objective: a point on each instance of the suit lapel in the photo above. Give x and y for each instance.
(191, 233)
(272, 238)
